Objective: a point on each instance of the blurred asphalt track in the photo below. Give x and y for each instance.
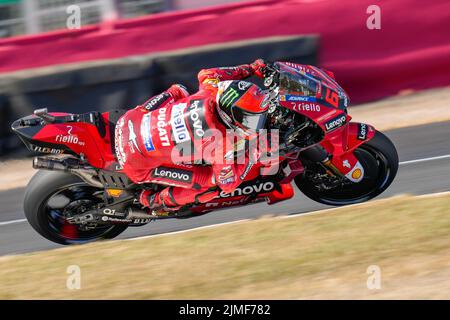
(423, 177)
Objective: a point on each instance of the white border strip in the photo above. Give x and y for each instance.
(447, 156)
(433, 195)
(5, 223)
(186, 230)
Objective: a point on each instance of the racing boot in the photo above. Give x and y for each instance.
(160, 203)
(286, 192)
(172, 199)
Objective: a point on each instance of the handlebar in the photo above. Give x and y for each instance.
(270, 72)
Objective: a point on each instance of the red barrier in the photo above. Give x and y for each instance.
(411, 50)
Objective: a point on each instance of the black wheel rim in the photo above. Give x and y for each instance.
(65, 202)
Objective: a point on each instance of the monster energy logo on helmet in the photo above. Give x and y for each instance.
(229, 97)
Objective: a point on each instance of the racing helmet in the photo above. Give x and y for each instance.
(242, 106)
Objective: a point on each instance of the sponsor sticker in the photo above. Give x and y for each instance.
(335, 123)
(155, 102)
(229, 97)
(309, 107)
(132, 137)
(196, 119)
(211, 81)
(120, 154)
(247, 170)
(297, 98)
(179, 128)
(173, 174)
(146, 133)
(69, 138)
(41, 149)
(362, 131)
(226, 203)
(249, 190)
(227, 181)
(161, 124)
(226, 175)
(244, 85)
(356, 174)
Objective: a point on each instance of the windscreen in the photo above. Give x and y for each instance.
(309, 83)
(294, 83)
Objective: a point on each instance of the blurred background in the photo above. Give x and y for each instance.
(20, 17)
(127, 50)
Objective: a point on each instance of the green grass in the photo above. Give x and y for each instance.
(316, 256)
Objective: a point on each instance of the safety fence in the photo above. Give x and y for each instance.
(19, 17)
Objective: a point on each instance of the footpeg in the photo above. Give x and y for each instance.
(161, 213)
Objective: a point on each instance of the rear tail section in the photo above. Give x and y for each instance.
(86, 136)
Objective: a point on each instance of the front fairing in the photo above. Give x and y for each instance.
(311, 84)
(313, 93)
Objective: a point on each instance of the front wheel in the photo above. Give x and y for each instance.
(52, 196)
(379, 158)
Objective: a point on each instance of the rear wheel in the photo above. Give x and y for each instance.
(51, 197)
(379, 159)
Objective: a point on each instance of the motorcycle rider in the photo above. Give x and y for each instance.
(174, 119)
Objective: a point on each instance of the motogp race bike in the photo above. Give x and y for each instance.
(81, 195)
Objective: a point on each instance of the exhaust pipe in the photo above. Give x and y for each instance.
(70, 165)
(139, 214)
(49, 164)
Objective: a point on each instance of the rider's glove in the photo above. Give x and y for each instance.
(258, 67)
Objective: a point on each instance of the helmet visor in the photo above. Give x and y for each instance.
(250, 121)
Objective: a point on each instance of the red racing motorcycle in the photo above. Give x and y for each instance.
(80, 193)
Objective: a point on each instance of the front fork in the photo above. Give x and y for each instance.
(336, 153)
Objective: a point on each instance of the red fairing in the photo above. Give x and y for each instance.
(81, 138)
(358, 133)
(344, 141)
(348, 138)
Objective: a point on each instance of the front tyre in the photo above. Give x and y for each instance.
(379, 158)
(52, 196)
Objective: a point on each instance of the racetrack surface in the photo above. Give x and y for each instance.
(422, 177)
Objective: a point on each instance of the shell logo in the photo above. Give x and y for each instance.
(357, 174)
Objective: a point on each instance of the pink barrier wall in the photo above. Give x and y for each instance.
(412, 49)
(192, 4)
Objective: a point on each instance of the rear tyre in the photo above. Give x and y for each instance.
(51, 196)
(379, 158)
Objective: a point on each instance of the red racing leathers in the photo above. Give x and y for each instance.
(173, 139)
